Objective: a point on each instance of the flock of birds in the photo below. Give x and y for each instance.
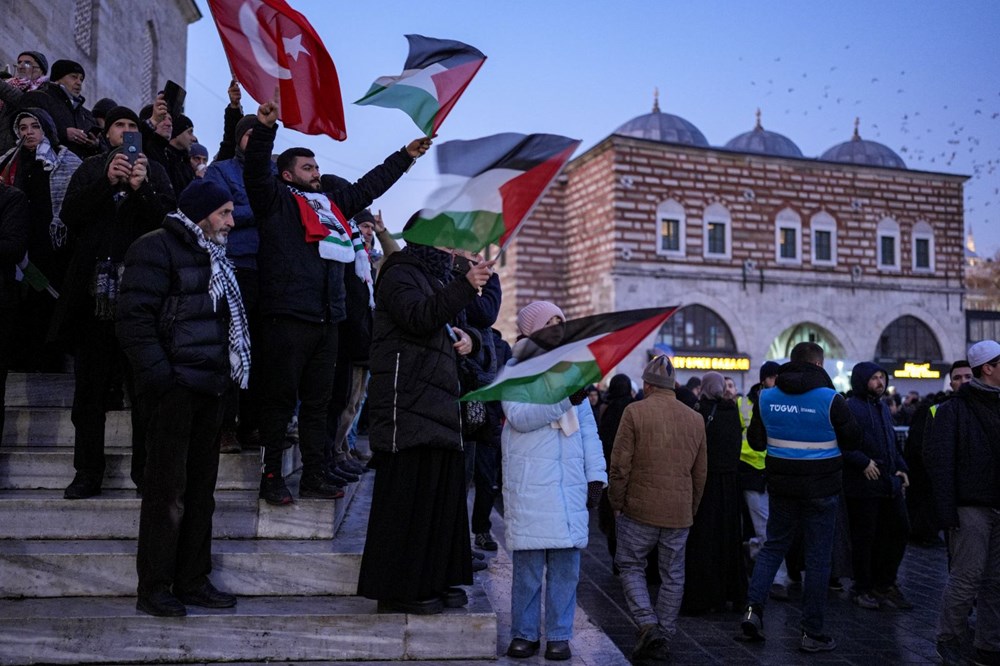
(961, 135)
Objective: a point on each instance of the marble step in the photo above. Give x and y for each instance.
(39, 390)
(260, 629)
(239, 514)
(258, 567)
(52, 467)
(52, 426)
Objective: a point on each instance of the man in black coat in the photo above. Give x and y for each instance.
(61, 97)
(301, 299)
(962, 454)
(109, 203)
(181, 324)
(14, 225)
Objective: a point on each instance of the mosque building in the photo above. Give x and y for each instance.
(758, 245)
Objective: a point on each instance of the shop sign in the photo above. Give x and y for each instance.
(916, 371)
(711, 363)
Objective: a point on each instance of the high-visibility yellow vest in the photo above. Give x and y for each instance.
(753, 458)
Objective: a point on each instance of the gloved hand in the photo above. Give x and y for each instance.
(594, 489)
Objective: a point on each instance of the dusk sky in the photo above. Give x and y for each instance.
(922, 75)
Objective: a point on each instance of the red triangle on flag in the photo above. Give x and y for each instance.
(609, 350)
(450, 84)
(519, 194)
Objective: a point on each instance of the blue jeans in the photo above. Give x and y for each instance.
(817, 518)
(561, 568)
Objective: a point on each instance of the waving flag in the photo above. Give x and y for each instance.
(435, 75)
(558, 361)
(490, 185)
(270, 45)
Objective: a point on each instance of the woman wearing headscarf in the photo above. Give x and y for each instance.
(417, 547)
(714, 568)
(553, 472)
(41, 168)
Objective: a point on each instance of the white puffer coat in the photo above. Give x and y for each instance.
(545, 475)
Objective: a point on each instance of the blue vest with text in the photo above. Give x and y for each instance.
(798, 425)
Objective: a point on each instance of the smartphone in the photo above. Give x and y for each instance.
(131, 145)
(174, 96)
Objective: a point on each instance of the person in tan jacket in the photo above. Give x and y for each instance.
(658, 470)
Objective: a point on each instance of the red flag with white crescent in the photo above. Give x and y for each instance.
(270, 45)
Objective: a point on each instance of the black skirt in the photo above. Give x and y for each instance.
(417, 544)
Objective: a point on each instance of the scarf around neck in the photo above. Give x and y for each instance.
(223, 283)
(339, 238)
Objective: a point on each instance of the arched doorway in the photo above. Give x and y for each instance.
(699, 340)
(908, 339)
(837, 366)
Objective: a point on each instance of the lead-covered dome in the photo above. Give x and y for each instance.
(764, 142)
(664, 127)
(861, 151)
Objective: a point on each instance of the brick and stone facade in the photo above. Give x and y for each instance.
(593, 245)
(129, 48)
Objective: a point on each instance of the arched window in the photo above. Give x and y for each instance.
(670, 224)
(908, 339)
(788, 237)
(824, 239)
(84, 18)
(923, 248)
(150, 61)
(695, 328)
(718, 236)
(888, 244)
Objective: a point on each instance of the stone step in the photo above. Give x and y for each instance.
(260, 629)
(29, 389)
(245, 567)
(258, 567)
(239, 514)
(52, 467)
(52, 426)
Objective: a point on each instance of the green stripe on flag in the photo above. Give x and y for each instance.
(471, 230)
(562, 379)
(415, 102)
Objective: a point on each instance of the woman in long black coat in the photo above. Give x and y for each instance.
(714, 573)
(417, 547)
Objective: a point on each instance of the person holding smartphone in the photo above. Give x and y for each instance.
(109, 203)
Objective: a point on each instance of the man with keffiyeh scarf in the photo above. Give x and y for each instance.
(306, 243)
(182, 326)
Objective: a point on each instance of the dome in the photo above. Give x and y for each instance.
(664, 127)
(761, 141)
(860, 151)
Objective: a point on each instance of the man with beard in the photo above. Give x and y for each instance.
(305, 241)
(181, 324)
(109, 203)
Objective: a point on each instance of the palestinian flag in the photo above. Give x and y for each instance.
(489, 188)
(558, 361)
(434, 76)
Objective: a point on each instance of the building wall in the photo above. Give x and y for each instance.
(128, 48)
(619, 183)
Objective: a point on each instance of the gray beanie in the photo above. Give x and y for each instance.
(659, 372)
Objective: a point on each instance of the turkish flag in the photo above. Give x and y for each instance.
(270, 45)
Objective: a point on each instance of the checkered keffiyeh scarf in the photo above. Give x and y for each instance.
(223, 283)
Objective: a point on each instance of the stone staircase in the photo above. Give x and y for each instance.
(67, 568)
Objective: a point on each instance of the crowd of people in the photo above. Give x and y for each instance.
(243, 303)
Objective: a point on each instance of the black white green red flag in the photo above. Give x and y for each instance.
(559, 360)
(435, 75)
(489, 186)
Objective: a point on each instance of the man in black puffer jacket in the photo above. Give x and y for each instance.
(962, 453)
(182, 326)
(305, 241)
(875, 476)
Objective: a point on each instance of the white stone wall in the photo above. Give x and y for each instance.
(112, 47)
(854, 313)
